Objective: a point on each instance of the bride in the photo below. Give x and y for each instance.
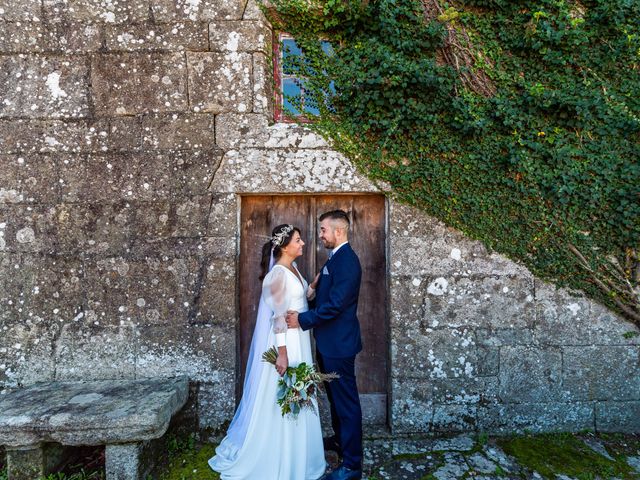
(261, 444)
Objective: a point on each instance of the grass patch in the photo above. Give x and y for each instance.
(78, 475)
(563, 453)
(3, 473)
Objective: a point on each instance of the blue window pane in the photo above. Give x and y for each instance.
(327, 48)
(290, 53)
(292, 96)
(310, 106)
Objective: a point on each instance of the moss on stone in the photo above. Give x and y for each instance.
(192, 465)
(563, 453)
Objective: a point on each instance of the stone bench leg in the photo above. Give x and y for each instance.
(124, 461)
(34, 461)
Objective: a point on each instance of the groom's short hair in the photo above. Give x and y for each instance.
(339, 215)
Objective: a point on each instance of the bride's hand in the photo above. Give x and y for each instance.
(314, 284)
(282, 362)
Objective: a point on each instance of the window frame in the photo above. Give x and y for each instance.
(278, 75)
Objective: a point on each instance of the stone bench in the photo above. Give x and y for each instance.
(40, 422)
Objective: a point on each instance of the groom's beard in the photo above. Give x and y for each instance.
(329, 245)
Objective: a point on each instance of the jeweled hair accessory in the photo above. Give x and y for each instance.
(278, 239)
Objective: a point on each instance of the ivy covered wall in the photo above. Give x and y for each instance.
(516, 122)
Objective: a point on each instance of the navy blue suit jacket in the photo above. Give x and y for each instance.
(333, 311)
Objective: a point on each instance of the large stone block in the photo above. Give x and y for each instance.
(73, 37)
(40, 290)
(411, 405)
(37, 86)
(566, 318)
(217, 296)
(235, 130)
(156, 289)
(618, 417)
(26, 10)
(94, 229)
(562, 318)
(252, 12)
(465, 391)
(153, 220)
(28, 179)
(488, 361)
(93, 352)
(219, 82)
(449, 254)
(157, 37)
(263, 94)
(284, 171)
(59, 37)
(530, 374)
(26, 353)
(201, 10)
(107, 287)
(186, 217)
(406, 221)
(148, 177)
(608, 328)
(173, 247)
(441, 353)
(216, 402)
(601, 373)
(110, 177)
(191, 215)
(536, 417)
(179, 132)
(28, 228)
(503, 336)
(121, 133)
(128, 83)
(97, 11)
(223, 216)
(90, 413)
(22, 37)
(54, 136)
(203, 353)
(407, 294)
(454, 418)
(26, 463)
(240, 36)
(193, 171)
(494, 302)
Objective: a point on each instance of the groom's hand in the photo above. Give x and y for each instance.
(292, 319)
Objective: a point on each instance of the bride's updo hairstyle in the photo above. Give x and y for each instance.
(280, 237)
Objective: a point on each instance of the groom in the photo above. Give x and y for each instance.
(337, 333)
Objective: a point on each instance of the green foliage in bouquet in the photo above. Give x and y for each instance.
(517, 122)
(298, 386)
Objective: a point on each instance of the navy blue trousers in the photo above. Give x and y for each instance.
(346, 414)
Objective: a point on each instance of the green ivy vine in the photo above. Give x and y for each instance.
(517, 122)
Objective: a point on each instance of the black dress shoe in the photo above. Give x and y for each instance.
(343, 473)
(331, 444)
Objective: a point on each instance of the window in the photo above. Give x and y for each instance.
(292, 101)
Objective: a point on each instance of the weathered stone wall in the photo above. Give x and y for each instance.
(479, 343)
(127, 131)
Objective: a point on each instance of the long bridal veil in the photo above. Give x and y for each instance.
(237, 431)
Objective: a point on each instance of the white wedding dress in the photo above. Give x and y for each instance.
(261, 444)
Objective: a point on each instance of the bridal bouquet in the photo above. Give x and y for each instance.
(298, 386)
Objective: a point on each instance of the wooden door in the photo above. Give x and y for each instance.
(260, 214)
